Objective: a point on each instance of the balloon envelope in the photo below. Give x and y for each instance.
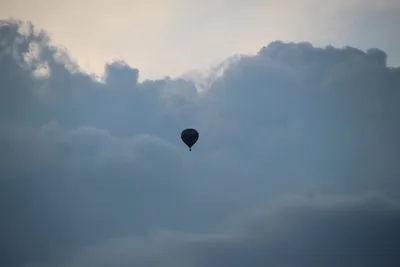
(189, 137)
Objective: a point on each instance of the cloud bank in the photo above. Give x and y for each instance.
(296, 165)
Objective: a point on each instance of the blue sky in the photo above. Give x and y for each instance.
(296, 164)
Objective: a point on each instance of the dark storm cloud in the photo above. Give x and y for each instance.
(292, 231)
(328, 113)
(86, 161)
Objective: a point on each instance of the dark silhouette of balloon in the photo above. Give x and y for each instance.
(189, 137)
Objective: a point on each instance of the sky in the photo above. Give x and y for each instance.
(296, 164)
(170, 38)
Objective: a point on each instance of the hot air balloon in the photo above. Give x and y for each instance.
(189, 137)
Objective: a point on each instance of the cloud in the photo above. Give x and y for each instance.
(92, 167)
(293, 231)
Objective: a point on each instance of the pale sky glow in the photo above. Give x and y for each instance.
(172, 37)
